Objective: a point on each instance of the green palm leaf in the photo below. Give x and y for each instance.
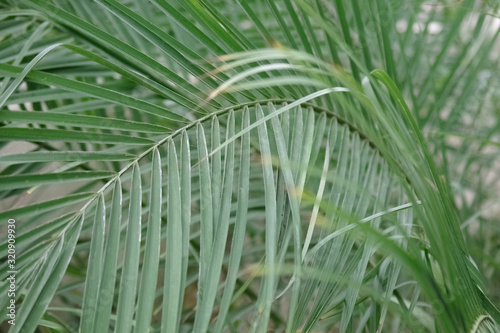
(257, 166)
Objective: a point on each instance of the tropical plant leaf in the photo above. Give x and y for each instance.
(249, 166)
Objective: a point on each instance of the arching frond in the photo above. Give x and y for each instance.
(248, 166)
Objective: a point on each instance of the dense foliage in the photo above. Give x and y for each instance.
(250, 166)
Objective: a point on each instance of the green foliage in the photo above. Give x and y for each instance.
(252, 166)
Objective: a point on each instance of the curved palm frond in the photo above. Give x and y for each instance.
(185, 171)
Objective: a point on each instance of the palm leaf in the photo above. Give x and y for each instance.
(290, 178)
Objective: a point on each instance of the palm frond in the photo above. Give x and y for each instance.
(252, 166)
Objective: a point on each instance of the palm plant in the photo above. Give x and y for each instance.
(250, 166)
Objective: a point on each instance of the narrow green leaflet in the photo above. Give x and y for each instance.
(47, 135)
(211, 280)
(206, 208)
(174, 247)
(107, 284)
(22, 75)
(269, 269)
(128, 281)
(250, 165)
(91, 296)
(80, 121)
(62, 156)
(43, 207)
(240, 226)
(149, 275)
(24, 181)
